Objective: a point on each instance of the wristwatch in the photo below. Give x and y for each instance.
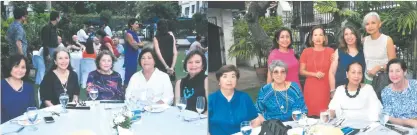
(166, 67)
(382, 67)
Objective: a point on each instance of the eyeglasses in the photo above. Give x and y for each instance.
(282, 72)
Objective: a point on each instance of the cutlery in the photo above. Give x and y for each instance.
(340, 122)
(55, 113)
(17, 131)
(366, 128)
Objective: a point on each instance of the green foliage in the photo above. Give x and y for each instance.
(162, 9)
(106, 14)
(271, 24)
(200, 23)
(33, 28)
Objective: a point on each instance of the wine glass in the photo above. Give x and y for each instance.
(181, 104)
(383, 119)
(245, 128)
(63, 100)
(200, 105)
(93, 93)
(32, 114)
(296, 115)
(324, 116)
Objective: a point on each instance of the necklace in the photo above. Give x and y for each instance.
(286, 100)
(356, 94)
(19, 90)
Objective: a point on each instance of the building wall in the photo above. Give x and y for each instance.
(189, 4)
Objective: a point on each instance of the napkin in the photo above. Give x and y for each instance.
(372, 126)
(79, 107)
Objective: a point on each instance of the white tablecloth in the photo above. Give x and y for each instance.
(98, 121)
(348, 123)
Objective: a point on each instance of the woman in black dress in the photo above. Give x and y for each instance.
(165, 49)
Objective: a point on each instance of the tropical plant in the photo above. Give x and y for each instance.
(162, 9)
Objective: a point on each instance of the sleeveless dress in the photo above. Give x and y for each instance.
(192, 88)
(317, 91)
(166, 43)
(375, 52)
(290, 60)
(344, 60)
(131, 58)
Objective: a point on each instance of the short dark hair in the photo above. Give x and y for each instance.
(150, 50)
(18, 13)
(162, 27)
(278, 34)
(225, 69)
(191, 54)
(53, 16)
(13, 61)
(342, 42)
(101, 33)
(354, 62)
(89, 46)
(397, 61)
(198, 38)
(131, 22)
(310, 39)
(101, 54)
(55, 56)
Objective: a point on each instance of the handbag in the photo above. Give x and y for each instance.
(380, 81)
(274, 127)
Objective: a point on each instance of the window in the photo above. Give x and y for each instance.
(198, 6)
(187, 11)
(193, 9)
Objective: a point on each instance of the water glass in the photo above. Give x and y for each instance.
(181, 104)
(297, 115)
(93, 94)
(63, 100)
(150, 96)
(200, 105)
(324, 116)
(383, 119)
(245, 128)
(32, 114)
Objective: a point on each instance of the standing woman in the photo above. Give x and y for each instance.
(315, 64)
(283, 51)
(195, 83)
(131, 46)
(107, 43)
(350, 50)
(165, 49)
(60, 79)
(16, 94)
(378, 48)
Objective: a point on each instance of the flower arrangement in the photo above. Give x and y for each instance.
(123, 119)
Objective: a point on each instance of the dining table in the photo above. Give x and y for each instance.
(97, 120)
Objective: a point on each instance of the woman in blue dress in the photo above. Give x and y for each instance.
(350, 50)
(132, 45)
(228, 107)
(16, 94)
(279, 99)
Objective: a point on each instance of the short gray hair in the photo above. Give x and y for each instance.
(277, 63)
(369, 15)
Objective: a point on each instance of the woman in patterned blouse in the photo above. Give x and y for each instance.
(277, 100)
(104, 79)
(399, 99)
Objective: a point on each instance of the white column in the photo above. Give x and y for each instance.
(227, 26)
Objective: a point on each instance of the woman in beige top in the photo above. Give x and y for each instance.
(378, 48)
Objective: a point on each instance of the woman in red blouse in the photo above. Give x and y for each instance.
(107, 43)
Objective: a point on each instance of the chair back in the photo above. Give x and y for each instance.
(87, 65)
(118, 67)
(40, 68)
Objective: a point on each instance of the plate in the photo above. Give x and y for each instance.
(26, 122)
(295, 131)
(308, 121)
(156, 108)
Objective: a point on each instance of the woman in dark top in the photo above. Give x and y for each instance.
(16, 95)
(89, 51)
(132, 45)
(350, 50)
(107, 43)
(61, 78)
(107, 82)
(195, 83)
(165, 49)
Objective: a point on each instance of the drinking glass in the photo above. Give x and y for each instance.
(383, 119)
(297, 115)
(181, 104)
(63, 100)
(93, 94)
(32, 114)
(200, 105)
(324, 116)
(245, 128)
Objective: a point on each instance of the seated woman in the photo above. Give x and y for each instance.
(228, 107)
(355, 100)
(60, 79)
(195, 83)
(150, 79)
(107, 82)
(277, 100)
(16, 94)
(89, 52)
(74, 45)
(400, 97)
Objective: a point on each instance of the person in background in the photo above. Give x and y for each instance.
(16, 94)
(96, 44)
(350, 50)
(280, 98)
(16, 35)
(399, 99)
(131, 48)
(82, 35)
(355, 100)
(195, 83)
(315, 64)
(150, 80)
(75, 45)
(282, 50)
(89, 52)
(106, 28)
(107, 43)
(196, 45)
(61, 78)
(378, 48)
(107, 82)
(60, 44)
(119, 46)
(49, 36)
(166, 49)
